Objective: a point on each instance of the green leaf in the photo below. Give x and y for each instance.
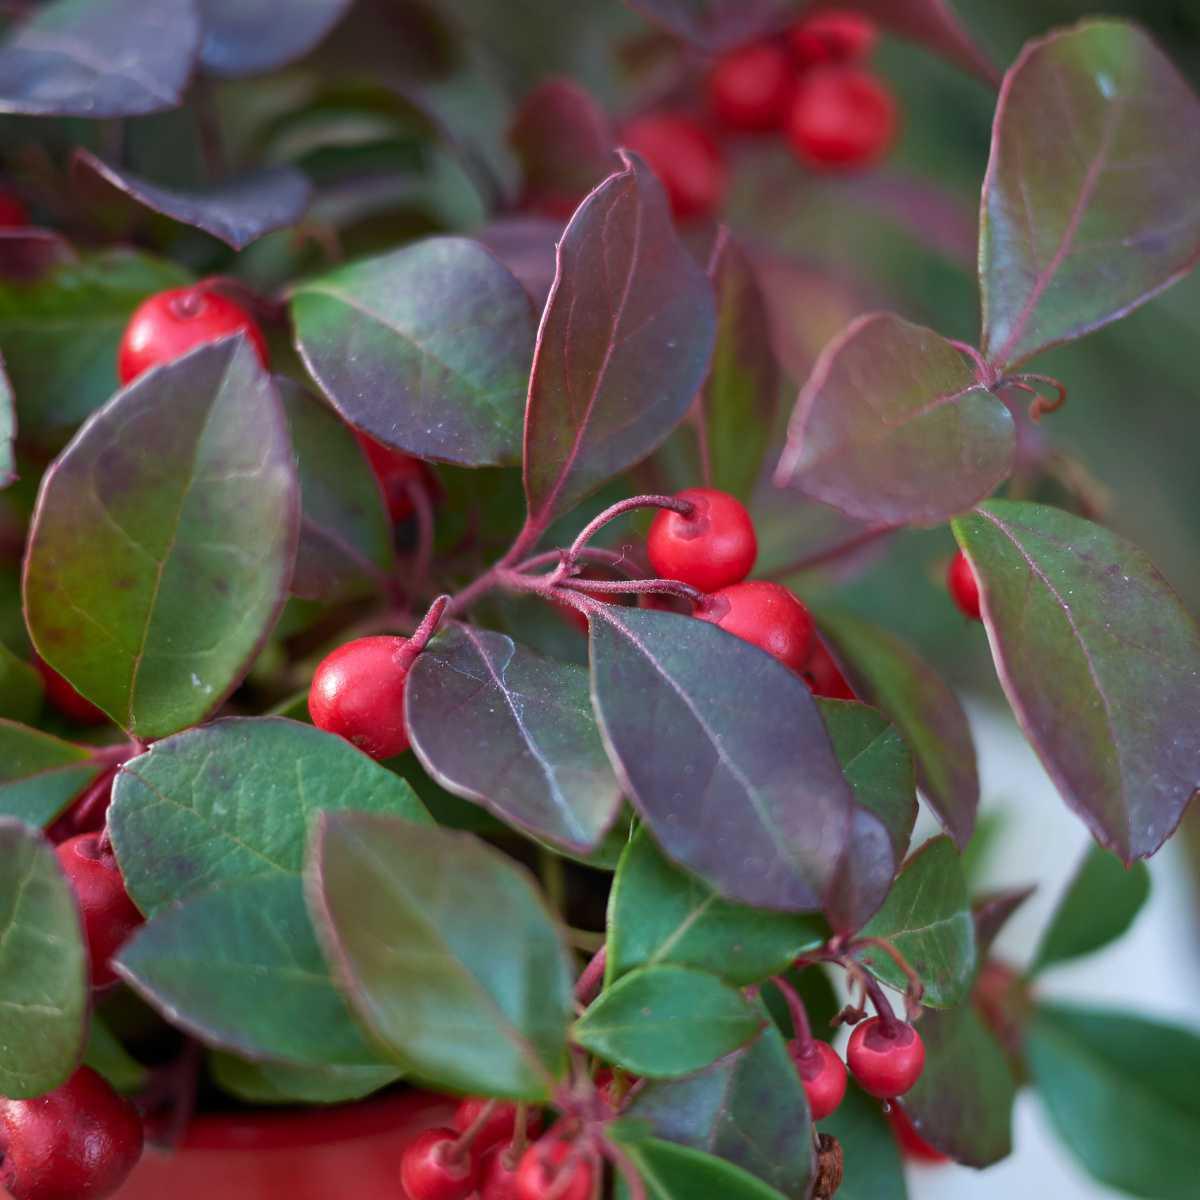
(673, 1172)
(1100, 903)
(43, 967)
(274, 1083)
(21, 689)
(927, 918)
(59, 336)
(873, 1167)
(234, 801)
(426, 348)
(39, 773)
(106, 1055)
(1121, 1093)
(659, 914)
(666, 1021)
(164, 539)
(446, 952)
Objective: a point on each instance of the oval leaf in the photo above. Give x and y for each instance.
(426, 348)
(497, 724)
(163, 541)
(723, 754)
(273, 1083)
(248, 37)
(1088, 204)
(446, 952)
(892, 427)
(21, 688)
(661, 1022)
(43, 967)
(624, 343)
(1100, 663)
(874, 1169)
(672, 1172)
(99, 58)
(238, 211)
(40, 774)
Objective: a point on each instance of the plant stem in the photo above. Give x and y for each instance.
(801, 1029)
(832, 553)
(588, 983)
(614, 511)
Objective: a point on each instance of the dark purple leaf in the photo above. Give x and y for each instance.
(724, 755)
(497, 724)
(1089, 202)
(248, 37)
(526, 246)
(8, 430)
(27, 253)
(886, 673)
(238, 211)
(991, 913)
(714, 25)
(893, 428)
(1100, 663)
(623, 346)
(99, 58)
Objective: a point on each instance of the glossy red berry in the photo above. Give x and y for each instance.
(841, 118)
(500, 1125)
(397, 473)
(13, 213)
(686, 160)
(911, 1143)
(833, 36)
(109, 915)
(885, 1063)
(555, 1167)
(358, 693)
(710, 547)
(498, 1174)
(431, 1170)
(766, 614)
(66, 699)
(824, 676)
(169, 324)
(823, 1075)
(964, 587)
(79, 1142)
(749, 89)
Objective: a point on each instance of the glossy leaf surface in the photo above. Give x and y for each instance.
(247, 37)
(39, 773)
(672, 1172)
(273, 1083)
(21, 688)
(873, 1166)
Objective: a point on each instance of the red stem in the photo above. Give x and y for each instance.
(611, 513)
(588, 984)
(660, 587)
(887, 1017)
(462, 1147)
(801, 1028)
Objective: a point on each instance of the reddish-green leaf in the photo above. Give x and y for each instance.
(21, 688)
(1100, 663)
(1089, 205)
(893, 427)
(163, 540)
(714, 25)
(39, 773)
(8, 430)
(624, 343)
(247, 37)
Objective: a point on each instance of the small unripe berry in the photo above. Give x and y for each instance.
(542, 1169)
(710, 547)
(824, 676)
(833, 36)
(431, 1170)
(170, 324)
(78, 1142)
(66, 699)
(358, 693)
(397, 472)
(765, 614)
(964, 587)
(109, 915)
(500, 1126)
(13, 213)
(841, 118)
(823, 1075)
(885, 1062)
(749, 89)
(686, 160)
(911, 1143)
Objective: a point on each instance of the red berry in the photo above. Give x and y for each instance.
(885, 1064)
(396, 472)
(13, 213)
(79, 1142)
(430, 1170)
(749, 89)
(913, 1145)
(711, 547)
(66, 699)
(169, 324)
(686, 160)
(833, 36)
(498, 1174)
(841, 117)
(766, 614)
(540, 1173)
(824, 676)
(964, 587)
(823, 1075)
(109, 916)
(358, 693)
(501, 1123)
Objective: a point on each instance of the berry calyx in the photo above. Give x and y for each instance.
(500, 1125)
(432, 1169)
(749, 89)
(823, 1075)
(169, 324)
(824, 677)
(498, 1174)
(13, 213)
(886, 1060)
(555, 1168)
(710, 547)
(911, 1143)
(841, 118)
(686, 160)
(833, 36)
(109, 915)
(765, 614)
(964, 587)
(65, 698)
(358, 693)
(78, 1142)
(397, 473)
